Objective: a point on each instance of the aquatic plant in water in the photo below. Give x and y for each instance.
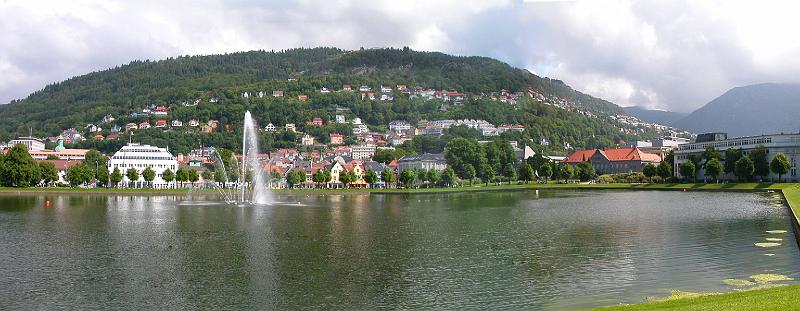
(738, 282)
(768, 277)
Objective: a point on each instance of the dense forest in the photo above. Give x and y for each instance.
(217, 82)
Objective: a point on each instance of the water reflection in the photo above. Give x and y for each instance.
(531, 250)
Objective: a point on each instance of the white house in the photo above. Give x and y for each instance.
(270, 128)
(177, 123)
(290, 127)
(140, 157)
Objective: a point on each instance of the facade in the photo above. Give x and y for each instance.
(139, 157)
(424, 161)
(307, 140)
(399, 126)
(33, 143)
(362, 152)
(788, 144)
(337, 139)
(270, 128)
(614, 161)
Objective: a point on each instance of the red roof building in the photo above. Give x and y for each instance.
(614, 161)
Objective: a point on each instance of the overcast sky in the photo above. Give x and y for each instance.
(671, 54)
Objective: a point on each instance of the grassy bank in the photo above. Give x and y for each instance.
(779, 298)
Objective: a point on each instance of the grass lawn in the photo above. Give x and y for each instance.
(778, 298)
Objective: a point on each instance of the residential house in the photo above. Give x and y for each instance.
(160, 111)
(347, 88)
(324, 90)
(337, 139)
(194, 123)
(161, 123)
(176, 123)
(144, 125)
(91, 128)
(340, 119)
(316, 122)
(131, 126)
(115, 129)
(399, 125)
(277, 93)
(270, 128)
(107, 119)
(365, 151)
(290, 127)
(208, 129)
(364, 88)
(307, 140)
(302, 97)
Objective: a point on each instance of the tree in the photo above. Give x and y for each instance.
(370, 177)
(649, 171)
(48, 172)
(207, 175)
(220, 177)
(586, 171)
(709, 154)
(181, 175)
(713, 168)
(192, 176)
(79, 174)
(295, 177)
(116, 176)
(133, 175)
(460, 153)
(94, 160)
(780, 165)
(526, 172)
(148, 174)
(731, 156)
(469, 173)
(489, 174)
(744, 168)
(387, 176)
(448, 177)
(19, 168)
(664, 170)
(433, 177)
(546, 170)
(760, 163)
(687, 170)
(509, 172)
(102, 175)
(566, 172)
(346, 178)
(168, 176)
(318, 177)
(407, 177)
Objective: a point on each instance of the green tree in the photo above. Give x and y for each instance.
(48, 172)
(207, 175)
(19, 168)
(433, 177)
(780, 165)
(461, 153)
(148, 174)
(79, 174)
(469, 173)
(387, 176)
(295, 177)
(103, 175)
(586, 171)
(133, 176)
(181, 175)
(745, 168)
(760, 162)
(710, 153)
(94, 160)
(347, 178)
(370, 177)
(731, 156)
(116, 177)
(220, 177)
(489, 174)
(168, 176)
(193, 176)
(510, 173)
(664, 170)
(526, 173)
(318, 177)
(448, 177)
(407, 177)
(566, 172)
(546, 170)
(687, 170)
(649, 171)
(713, 168)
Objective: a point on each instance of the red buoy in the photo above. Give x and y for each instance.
(47, 203)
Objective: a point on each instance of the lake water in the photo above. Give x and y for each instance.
(513, 250)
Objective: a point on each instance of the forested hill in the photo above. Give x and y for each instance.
(218, 82)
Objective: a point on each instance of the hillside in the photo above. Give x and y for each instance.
(655, 116)
(218, 83)
(749, 110)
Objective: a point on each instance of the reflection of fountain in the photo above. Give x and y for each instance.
(243, 190)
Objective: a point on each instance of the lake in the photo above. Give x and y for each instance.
(492, 250)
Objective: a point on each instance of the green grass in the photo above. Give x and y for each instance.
(778, 298)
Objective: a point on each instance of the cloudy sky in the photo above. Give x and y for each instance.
(670, 54)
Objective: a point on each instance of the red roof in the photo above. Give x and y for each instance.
(620, 154)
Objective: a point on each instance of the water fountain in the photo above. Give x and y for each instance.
(244, 191)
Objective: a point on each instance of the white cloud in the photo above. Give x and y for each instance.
(662, 54)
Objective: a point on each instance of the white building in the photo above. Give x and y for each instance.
(399, 125)
(361, 152)
(340, 118)
(788, 144)
(270, 128)
(290, 127)
(33, 143)
(139, 157)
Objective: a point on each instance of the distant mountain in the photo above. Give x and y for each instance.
(655, 116)
(749, 110)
